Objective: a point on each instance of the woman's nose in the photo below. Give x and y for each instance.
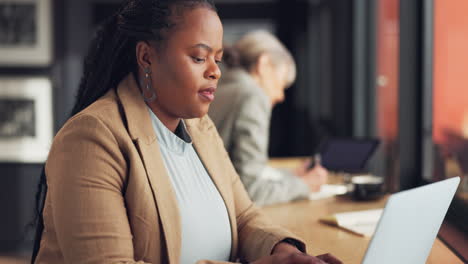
(281, 97)
(213, 72)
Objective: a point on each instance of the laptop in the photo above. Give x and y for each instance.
(347, 154)
(409, 224)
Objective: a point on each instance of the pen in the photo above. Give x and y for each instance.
(317, 159)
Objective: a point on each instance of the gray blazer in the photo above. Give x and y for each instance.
(241, 112)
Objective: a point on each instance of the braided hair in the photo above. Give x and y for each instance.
(112, 56)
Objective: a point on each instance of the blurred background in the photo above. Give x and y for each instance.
(388, 69)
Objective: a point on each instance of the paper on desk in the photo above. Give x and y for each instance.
(328, 190)
(362, 223)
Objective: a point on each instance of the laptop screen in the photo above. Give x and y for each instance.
(348, 155)
(409, 224)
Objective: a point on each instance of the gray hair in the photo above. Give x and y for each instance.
(255, 43)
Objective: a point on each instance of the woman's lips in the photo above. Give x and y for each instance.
(207, 94)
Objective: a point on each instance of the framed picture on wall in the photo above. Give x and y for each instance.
(25, 32)
(25, 119)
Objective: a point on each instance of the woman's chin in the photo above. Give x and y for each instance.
(204, 110)
(198, 113)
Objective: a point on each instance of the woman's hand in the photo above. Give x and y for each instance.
(284, 253)
(297, 258)
(315, 177)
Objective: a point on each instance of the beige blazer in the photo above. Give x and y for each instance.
(110, 199)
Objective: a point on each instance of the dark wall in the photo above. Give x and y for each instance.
(17, 190)
(319, 104)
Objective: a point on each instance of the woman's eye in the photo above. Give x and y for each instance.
(219, 61)
(198, 60)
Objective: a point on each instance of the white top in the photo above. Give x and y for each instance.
(206, 230)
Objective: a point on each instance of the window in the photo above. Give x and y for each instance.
(445, 136)
(388, 37)
(450, 101)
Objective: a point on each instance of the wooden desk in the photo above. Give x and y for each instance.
(302, 218)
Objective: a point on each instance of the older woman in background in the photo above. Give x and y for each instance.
(258, 70)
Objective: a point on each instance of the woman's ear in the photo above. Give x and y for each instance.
(143, 54)
(262, 64)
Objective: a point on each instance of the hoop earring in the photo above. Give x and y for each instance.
(148, 88)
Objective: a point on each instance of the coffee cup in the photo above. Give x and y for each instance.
(366, 187)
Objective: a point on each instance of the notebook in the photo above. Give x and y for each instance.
(361, 223)
(328, 190)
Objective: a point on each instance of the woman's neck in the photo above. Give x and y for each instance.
(167, 119)
(259, 81)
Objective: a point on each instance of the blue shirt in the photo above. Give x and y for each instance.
(206, 230)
